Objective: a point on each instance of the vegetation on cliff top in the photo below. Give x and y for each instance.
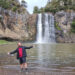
(37, 10)
(57, 5)
(13, 5)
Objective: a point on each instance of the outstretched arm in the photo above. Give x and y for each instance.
(28, 47)
(13, 51)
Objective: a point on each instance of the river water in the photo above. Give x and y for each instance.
(52, 57)
(46, 54)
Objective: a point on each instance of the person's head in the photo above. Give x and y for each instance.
(19, 44)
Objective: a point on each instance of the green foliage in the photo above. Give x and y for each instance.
(0, 18)
(41, 10)
(53, 10)
(57, 5)
(52, 7)
(47, 9)
(3, 42)
(73, 27)
(57, 26)
(14, 8)
(36, 9)
(72, 7)
(5, 4)
(13, 5)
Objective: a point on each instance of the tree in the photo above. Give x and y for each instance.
(5, 4)
(57, 5)
(36, 9)
(41, 10)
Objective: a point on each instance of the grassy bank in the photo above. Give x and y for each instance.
(4, 42)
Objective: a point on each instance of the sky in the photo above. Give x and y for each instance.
(32, 3)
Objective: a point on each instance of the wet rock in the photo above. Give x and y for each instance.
(60, 40)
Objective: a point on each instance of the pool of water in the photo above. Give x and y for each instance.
(52, 57)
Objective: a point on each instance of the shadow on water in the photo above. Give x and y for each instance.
(52, 57)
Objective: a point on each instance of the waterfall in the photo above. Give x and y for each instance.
(39, 29)
(46, 31)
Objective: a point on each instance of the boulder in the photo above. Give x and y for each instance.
(60, 13)
(60, 40)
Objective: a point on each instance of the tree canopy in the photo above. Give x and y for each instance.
(36, 9)
(57, 5)
(13, 5)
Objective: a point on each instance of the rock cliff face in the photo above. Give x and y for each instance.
(64, 20)
(17, 26)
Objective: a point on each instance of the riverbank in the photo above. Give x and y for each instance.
(32, 72)
(3, 42)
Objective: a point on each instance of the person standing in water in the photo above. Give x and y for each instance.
(21, 55)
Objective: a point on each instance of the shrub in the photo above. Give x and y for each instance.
(0, 18)
(14, 8)
(57, 26)
(36, 9)
(41, 10)
(73, 27)
(5, 4)
(47, 9)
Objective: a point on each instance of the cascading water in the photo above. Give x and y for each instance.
(39, 29)
(46, 31)
(52, 28)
